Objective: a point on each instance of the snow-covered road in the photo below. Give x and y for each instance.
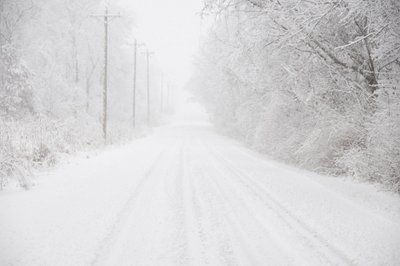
(187, 196)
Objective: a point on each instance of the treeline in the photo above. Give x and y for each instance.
(311, 83)
(51, 78)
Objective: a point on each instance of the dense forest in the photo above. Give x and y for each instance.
(311, 83)
(51, 81)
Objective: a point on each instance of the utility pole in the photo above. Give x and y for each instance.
(106, 17)
(162, 93)
(2, 69)
(148, 54)
(136, 46)
(168, 97)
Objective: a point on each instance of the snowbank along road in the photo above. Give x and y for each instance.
(187, 196)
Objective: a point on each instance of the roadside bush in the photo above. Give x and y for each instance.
(37, 143)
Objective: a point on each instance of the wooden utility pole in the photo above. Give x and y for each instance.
(106, 17)
(162, 93)
(2, 69)
(136, 46)
(168, 97)
(148, 54)
(134, 87)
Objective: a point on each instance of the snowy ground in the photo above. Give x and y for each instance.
(187, 196)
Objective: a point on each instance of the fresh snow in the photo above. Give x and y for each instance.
(187, 196)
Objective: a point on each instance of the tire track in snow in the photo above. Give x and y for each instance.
(199, 220)
(331, 253)
(178, 208)
(197, 214)
(217, 215)
(197, 208)
(246, 229)
(107, 242)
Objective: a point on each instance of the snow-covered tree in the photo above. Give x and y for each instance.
(305, 81)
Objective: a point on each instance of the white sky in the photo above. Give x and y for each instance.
(172, 29)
